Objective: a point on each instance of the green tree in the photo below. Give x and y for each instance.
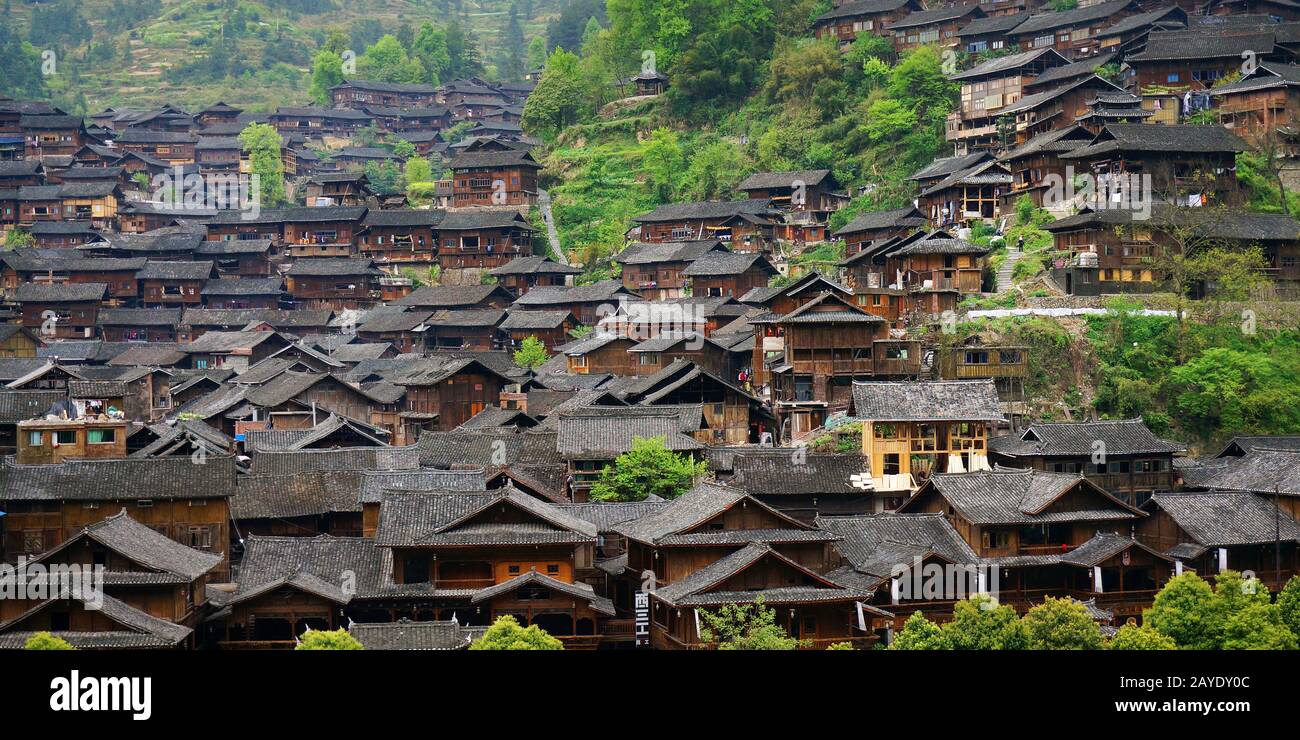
(715, 169)
(531, 353)
(648, 468)
(46, 641)
(980, 623)
(840, 646)
(510, 63)
(745, 627)
(462, 51)
(387, 60)
(506, 634)
(1184, 611)
(326, 72)
(536, 53)
(261, 142)
(663, 161)
(1145, 637)
(338, 639)
(430, 48)
(919, 633)
(1288, 603)
(558, 99)
(19, 239)
(1061, 624)
(1257, 626)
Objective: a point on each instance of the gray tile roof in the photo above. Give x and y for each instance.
(414, 519)
(606, 432)
(875, 544)
(19, 405)
(1119, 437)
(59, 292)
(150, 549)
(673, 523)
(374, 483)
(777, 473)
(709, 209)
(141, 630)
(407, 635)
(1222, 519)
(294, 495)
(948, 400)
(696, 589)
(340, 458)
(1012, 496)
(125, 479)
(1261, 470)
(577, 590)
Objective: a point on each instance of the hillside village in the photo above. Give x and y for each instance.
(273, 395)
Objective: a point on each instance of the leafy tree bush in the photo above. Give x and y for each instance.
(1061, 624)
(649, 467)
(980, 623)
(338, 639)
(531, 353)
(745, 627)
(46, 641)
(506, 634)
(919, 633)
(1144, 637)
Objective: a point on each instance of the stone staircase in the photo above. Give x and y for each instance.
(1008, 268)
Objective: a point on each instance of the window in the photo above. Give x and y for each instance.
(101, 436)
(200, 537)
(65, 437)
(552, 569)
(892, 464)
(996, 540)
(34, 439)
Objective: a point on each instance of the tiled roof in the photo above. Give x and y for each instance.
(140, 544)
(406, 635)
(1222, 519)
(1119, 437)
(947, 400)
(412, 519)
(1012, 496)
(130, 478)
(784, 472)
(341, 458)
(876, 543)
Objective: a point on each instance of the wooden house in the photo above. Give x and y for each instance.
(872, 226)
(322, 231)
(18, 341)
(58, 234)
(218, 113)
(1188, 165)
(599, 353)
(400, 237)
(154, 592)
(482, 239)
(1123, 457)
(52, 134)
(462, 297)
(1129, 35)
(1038, 159)
(404, 330)
(473, 329)
(338, 189)
(804, 484)
(494, 176)
(174, 284)
(825, 345)
(530, 570)
(139, 324)
(913, 430)
(521, 274)
(732, 416)
(172, 147)
(1006, 365)
(654, 269)
(589, 438)
(988, 87)
(60, 311)
(1210, 532)
(444, 392)
(1193, 60)
(551, 328)
(716, 545)
(1056, 106)
(966, 195)
(1073, 33)
(318, 123)
(239, 258)
(807, 198)
(938, 271)
(588, 303)
(234, 350)
(93, 202)
(744, 225)
(936, 27)
(849, 19)
(46, 505)
(728, 275)
(1109, 251)
(249, 292)
(1264, 106)
(364, 93)
(335, 283)
(989, 34)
